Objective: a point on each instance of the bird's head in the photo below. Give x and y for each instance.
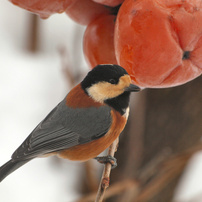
(107, 82)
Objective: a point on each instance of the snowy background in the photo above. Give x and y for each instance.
(30, 86)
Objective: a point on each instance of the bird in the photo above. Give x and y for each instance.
(85, 123)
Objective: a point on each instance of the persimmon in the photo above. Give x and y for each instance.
(98, 41)
(159, 42)
(43, 8)
(85, 11)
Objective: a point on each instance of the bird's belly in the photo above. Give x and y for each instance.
(92, 149)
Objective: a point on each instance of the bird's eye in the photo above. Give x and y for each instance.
(112, 81)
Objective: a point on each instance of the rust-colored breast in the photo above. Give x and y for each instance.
(92, 149)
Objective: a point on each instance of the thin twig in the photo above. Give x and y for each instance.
(113, 190)
(104, 183)
(33, 33)
(151, 168)
(169, 170)
(149, 172)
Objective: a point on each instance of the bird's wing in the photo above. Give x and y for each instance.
(65, 127)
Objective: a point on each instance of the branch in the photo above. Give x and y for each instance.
(104, 183)
(33, 33)
(170, 169)
(113, 190)
(167, 169)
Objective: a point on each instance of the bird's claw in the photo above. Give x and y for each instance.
(107, 159)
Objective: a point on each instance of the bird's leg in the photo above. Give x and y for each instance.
(107, 159)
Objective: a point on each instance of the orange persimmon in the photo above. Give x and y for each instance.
(43, 8)
(85, 11)
(159, 42)
(98, 41)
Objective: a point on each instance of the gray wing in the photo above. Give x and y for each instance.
(65, 127)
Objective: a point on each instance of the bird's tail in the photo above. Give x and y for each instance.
(11, 166)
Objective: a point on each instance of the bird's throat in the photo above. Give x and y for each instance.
(120, 103)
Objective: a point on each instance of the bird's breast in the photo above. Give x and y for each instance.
(92, 149)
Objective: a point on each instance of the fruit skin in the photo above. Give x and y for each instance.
(44, 8)
(98, 41)
(110, 2)
(85, 11)
(159, 42)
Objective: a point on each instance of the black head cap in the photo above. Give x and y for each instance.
(108, 73)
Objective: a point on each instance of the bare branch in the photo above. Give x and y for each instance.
(33, 33)
(171, 168)
(104, 183)
(114, 189)
(137, 191)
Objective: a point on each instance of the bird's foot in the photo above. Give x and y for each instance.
(107, 159)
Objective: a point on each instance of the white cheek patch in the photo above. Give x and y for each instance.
(94, 93)
(103, 91)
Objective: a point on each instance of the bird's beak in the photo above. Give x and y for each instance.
(132, 88)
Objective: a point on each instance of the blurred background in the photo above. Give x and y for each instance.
(159, 156)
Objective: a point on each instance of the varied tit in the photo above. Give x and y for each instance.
(84, 123)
